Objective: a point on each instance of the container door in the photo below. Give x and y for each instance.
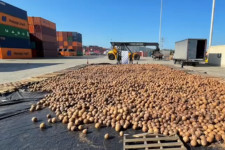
(192, 49)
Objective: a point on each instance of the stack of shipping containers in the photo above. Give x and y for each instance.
(14, 34)
(70, 41)
(43, 37)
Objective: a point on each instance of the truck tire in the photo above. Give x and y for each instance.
(182, 64)
(174, 61)
(136, 57)
(111, 57)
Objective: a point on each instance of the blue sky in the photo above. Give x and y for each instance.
(102, 21)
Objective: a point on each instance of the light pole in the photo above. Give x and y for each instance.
(212, 23)
(160, 26)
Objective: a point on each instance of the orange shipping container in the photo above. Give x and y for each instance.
(31, 28)
(65, 43)
(30, 21)
(14, 53)
(79, 44)
(60, 38)
(43, 22)
(37, 20)
(66, 53)
(74, 44)
(13, 21)
(48, 24)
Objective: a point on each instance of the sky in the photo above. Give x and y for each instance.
(103, 21)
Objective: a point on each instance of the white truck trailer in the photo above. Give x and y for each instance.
(190, 51)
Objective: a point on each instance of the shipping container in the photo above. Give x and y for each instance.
(42, 22)
(10, 42)
(50, 53)
(69, 34)
(13, 32)
(66, 42)
(77, 37)
(37, 45)
(12, 10)
(74, 44)
(30, 20)
(34, 53)
(50, 46)
(69, 38)
(79, 44)
(13, 21)
(60, 38)
(64, 35)
(60, 43)
(48, 31)
(44, 36)
(60, 34)
(14, 53)
(31, 29)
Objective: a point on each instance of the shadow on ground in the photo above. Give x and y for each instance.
(11, 67)
(206, 65)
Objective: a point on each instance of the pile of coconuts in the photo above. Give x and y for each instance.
(154, 98)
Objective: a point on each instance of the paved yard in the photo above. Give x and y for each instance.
(15, 70)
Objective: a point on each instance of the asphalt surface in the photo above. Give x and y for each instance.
(19, 69)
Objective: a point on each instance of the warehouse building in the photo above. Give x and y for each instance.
(216, 55)
(14, 34)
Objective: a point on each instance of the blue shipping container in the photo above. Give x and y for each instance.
(77, 37)
(12, 10)
(8, 42)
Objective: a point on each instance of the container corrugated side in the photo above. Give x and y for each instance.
(12, 10)
(10, 31)
(48, 31)
(14, 53)
(9, 42)
(13, 21)
(50, 46)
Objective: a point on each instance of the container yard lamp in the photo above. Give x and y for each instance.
(212, 23)
(160, 26)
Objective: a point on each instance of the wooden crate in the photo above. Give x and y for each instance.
(147, 141)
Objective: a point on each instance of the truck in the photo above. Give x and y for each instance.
(190, 51)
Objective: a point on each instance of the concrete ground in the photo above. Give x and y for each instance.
(18, 69)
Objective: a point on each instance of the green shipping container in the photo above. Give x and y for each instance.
(70, 39)
(79, 54)
(13, 32)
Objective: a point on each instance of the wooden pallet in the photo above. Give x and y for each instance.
(147, 141)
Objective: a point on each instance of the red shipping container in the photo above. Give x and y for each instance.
(60, 34)
(69, 34)
(64, 35)
(70, 43)
(60, 43)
